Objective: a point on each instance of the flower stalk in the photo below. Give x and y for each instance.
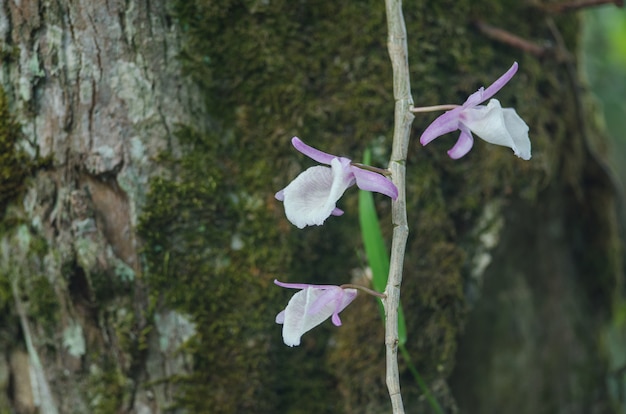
(398, 53)
(433, 108)
(364, 289)
(370, 168)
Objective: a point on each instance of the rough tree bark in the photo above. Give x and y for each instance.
(142, 143)
(97, 90)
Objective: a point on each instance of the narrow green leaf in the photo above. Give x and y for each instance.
(420, 381)
(375, 249)
(378, 260)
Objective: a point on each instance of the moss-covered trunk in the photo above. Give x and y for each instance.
(140, 237)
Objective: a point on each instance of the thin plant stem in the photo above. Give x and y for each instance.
(398, 53)
(370, 168)
(510, 39)
(364, 289)
(433, 108)
(579, 4)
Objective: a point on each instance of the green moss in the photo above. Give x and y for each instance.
(6, 296)
(36, 290)
(89, 278)
(320, 70)
(15, 165)
(195, 267)
(38, 247)
(43, 304)
(9, 55)
(270, 71)
(108, 389)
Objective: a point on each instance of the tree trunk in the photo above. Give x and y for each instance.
(143, 141)
(98, 90)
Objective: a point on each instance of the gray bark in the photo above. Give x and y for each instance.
(97, 89)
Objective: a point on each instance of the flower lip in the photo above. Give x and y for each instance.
(463, 145)
(372, 181)
(445, 123)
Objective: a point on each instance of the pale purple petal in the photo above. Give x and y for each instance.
(463, 144)
(311, 152)
(337, 212)
(333, 295)
(499, 126)
(482, 94)
(475, 98)
(301, 285)
(280, 318)
(312, 196)
(372, 181)
(347, 297)
(499, 83)
(445, 123)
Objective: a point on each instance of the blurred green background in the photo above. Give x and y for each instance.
(604, 62)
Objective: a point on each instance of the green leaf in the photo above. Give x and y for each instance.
(375, 249)
(378, 260)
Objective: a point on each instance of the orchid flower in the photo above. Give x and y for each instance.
(312, 196)
(492, 123)
(310, 307)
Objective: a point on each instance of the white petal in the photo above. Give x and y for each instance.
(297, 319)
(499, 126)
(519, 132)
(312, 196)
